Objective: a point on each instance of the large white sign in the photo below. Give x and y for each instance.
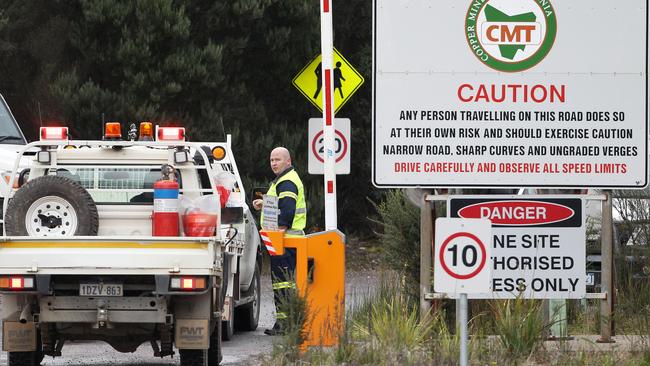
(462, 256)
(510, 93)
(538, 244)
(342, 145)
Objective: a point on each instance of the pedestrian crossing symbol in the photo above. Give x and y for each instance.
(346, 81)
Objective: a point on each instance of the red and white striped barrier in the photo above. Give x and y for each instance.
(327, 52)
(267, 243)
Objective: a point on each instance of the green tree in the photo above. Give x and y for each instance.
(352, 36)
(217, 67)
(34, 42)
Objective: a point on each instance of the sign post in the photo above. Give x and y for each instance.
(462, 253)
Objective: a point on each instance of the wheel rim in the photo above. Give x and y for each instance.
(51, 216)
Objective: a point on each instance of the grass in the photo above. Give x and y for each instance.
(520, 325)
(287, 350)
(383, 327)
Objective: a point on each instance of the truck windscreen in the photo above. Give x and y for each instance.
(9, 131)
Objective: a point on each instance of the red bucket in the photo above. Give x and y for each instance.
(199, 224)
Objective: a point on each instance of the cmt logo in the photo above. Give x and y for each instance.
(511, 33)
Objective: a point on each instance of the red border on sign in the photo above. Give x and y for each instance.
(453, 274)
(313, 146)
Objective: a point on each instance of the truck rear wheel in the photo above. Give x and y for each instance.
(22, 359)
(33, 358)
(247, 316)
(52, 206)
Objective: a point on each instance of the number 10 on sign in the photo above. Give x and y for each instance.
(462, 256)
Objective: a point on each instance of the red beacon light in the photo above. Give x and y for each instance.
(170, 133)
(54, 133)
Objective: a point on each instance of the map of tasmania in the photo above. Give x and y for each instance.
(494, 15)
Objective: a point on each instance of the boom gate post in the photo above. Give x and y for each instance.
(606, 271)
(320, 273)
(426, 240)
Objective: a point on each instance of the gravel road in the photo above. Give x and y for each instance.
(244, 349)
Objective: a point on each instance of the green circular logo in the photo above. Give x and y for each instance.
(510, 35)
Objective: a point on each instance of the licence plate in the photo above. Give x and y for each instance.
(100, 289)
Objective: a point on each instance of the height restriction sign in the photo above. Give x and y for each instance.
(347, 81)
(462, 256)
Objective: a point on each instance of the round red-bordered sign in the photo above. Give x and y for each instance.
(344, 147)
(453, 274)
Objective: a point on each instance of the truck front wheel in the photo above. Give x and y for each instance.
(247, 316)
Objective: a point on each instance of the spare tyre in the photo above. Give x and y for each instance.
(51, 206)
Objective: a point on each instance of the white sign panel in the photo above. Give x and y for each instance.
(462, 252)
(538, 244)
(510, 93)
(271, 212)
(342, 140)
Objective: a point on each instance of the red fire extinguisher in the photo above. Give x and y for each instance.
(165, 204)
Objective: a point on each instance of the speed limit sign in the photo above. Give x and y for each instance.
(341, 146)
(462, 256)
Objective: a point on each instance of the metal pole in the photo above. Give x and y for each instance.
(463, 329)
(327, 61)
(426, 238)
(606, 265)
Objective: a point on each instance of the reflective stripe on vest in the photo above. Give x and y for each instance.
(300, 215)
(283, 285)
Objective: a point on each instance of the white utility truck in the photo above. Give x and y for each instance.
(78, 260)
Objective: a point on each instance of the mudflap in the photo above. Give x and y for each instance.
(196, 318)
(192, 333)
(18, 337)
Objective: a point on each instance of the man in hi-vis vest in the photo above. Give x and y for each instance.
(292, 218)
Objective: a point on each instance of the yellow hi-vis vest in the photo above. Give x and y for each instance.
(300, 216)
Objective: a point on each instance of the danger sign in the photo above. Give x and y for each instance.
(538, 244)
(462, 252)
(341, 146)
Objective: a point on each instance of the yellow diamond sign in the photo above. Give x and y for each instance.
(346, 81)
